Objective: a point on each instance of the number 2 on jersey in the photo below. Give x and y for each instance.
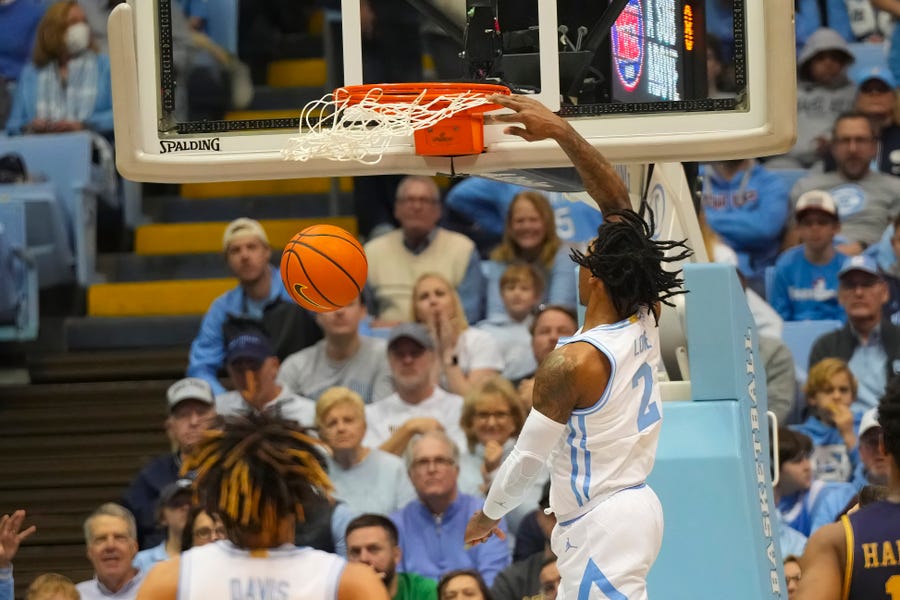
(649, 411)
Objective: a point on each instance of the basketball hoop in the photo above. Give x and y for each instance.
(445, 119)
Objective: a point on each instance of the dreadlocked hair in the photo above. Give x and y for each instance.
(889, 418)
(255, 471)
(630, 263)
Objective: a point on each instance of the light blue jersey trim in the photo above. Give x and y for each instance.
(586, 486)
(607, 392)
(593, 575)
(574, 457)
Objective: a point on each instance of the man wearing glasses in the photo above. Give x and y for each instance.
(869, 343)
(418, 405)
(431, 527)
(866, 199)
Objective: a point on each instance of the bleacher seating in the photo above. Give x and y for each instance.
(19, 316)
(799, 337)
(868, 55)
(65, 160)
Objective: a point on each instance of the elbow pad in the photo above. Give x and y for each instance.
(517, 473)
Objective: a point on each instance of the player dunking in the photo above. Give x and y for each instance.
(857, 559)
(257, 474)
(596, 409)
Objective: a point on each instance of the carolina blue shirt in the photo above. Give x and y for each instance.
(808, 18)
(6, 583)
(208, 349)
(790, 540)
(19, 22)
(149, 557)
(486, 202)
(802, 290)
(833, 460)
(749, 212)
(868, 366)
(817, 506)
(25, 101)
(433, 544)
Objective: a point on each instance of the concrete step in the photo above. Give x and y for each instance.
(124, 268)
(135, 333)
(175, 209)
(274, 187)
(155, 298)
(166, 364)
(206, 238)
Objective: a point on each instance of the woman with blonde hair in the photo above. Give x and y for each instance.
(467, 356)
(67, 86)
(530, 236)
(369, 480)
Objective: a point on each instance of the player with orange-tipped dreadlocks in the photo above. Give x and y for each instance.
(261, 475)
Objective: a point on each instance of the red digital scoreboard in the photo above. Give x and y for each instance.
(658, 52)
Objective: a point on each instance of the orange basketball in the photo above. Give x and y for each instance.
(324, 268)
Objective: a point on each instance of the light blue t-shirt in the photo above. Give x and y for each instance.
(868, 366)
(149, 557)
(377, 484)
(802, 290)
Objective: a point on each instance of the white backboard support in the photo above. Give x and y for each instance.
(759, 119)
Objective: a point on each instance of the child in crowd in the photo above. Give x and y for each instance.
(830, 390)
(806, 276)
(805, 503)
(521, 289)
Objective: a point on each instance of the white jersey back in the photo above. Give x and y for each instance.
(611, 445)
(225, 572)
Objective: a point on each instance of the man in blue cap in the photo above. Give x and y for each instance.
(869, 343)
(253, 368)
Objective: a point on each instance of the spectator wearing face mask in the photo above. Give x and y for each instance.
(66, 87)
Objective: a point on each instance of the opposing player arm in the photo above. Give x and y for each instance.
(359, 582)
(161, 582)
(822, 565)
(600, 179)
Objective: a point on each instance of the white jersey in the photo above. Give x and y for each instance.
(611, 445)
(225, 572)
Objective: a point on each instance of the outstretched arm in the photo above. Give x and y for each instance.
(558, 389)
(822, 564)
(538, 123)
(11, 536)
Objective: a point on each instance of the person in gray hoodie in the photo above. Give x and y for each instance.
(824, 91)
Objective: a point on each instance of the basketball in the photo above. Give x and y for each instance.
(324, 268)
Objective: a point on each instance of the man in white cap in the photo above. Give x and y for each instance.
(805, 285)
(866, 199)
(869, 343)
(191, 410)
(260, 296)
(873, 467)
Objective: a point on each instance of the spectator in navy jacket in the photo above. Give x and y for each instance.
(190, 403)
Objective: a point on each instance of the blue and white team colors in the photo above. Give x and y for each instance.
(609, 522)
(225, 572)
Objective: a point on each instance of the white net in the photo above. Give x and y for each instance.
(361, 131)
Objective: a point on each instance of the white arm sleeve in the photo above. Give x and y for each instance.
(517, 473)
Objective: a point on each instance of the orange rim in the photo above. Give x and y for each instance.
(409, 92)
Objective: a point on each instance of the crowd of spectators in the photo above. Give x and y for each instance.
(425, 379)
